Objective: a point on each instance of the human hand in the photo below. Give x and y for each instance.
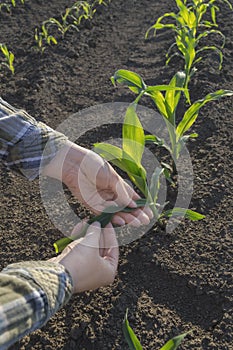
(92, 260)
(96, 184)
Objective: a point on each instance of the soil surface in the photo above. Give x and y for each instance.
(171, 282)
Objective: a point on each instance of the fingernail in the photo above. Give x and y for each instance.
(96, 224)
(121, 221)
(133, 204)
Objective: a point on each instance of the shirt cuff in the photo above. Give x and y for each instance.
(30, 294)
(26, 156)
(23, 140)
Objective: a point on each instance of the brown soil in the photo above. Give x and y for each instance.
(171, 283)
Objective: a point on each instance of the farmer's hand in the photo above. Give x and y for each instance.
(95, 183)
(91, 261)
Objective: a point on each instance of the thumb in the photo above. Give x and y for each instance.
(92, 237)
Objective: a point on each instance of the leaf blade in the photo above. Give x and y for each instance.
(130, 336)
(192, 112)
(130, 79)
(133, 135)
(173, 343)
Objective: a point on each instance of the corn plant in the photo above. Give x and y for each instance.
(7, 6)
(166, 103)
(43, 37)
(14, 2)
(134, 343)
(9, 57)
(70, 19)
(82, 10)
(129, 159)
(186, 25)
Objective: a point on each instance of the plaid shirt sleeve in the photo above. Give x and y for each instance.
(23, 139)
(30, 293)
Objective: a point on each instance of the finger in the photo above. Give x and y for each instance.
(92, 238)
(147, 210)
(135, 218)
(111, 246)
(118, 220)
(125, 194)
(78, 228)
(129, 218)
(109, 236)
(141, 216)
(101, 245)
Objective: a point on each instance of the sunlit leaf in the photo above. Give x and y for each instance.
(181, 212)
(130, 336)
(213, 48)
(173, 343)
(155, 183)
(123, 161)
(133, 135)
(159, 25)
(192, 113)
(130, 79)
(173, 96)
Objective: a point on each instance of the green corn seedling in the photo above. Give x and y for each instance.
(8, 6)
(14, 2)
(166, 104)
(42, 37)
(82, 10)
(129, 159)
(5, 6)
(8, 58)
(134, 343)
(201, 6)
(186, 25)
(71, 18)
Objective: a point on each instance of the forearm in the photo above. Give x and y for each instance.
(30, 293)
(23, 140)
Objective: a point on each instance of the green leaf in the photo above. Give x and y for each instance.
(130, 79)
(110, 153)
(159, 25)
(153, 88)
(172, 96)
(157, 141)
(173, 343)
(191, 114)
(114, 154)
(11, 62)
(122, 160)
(212, 31)
(133, 135)
(187, 213)
(159, 101)
(228, 3)
(130, 337)
(185, 138)
(54, 40)
(213, 48)
(139, 180)
(60, 245)
(4, 50)
(155, 183)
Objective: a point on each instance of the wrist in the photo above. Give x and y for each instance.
(68, 157)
